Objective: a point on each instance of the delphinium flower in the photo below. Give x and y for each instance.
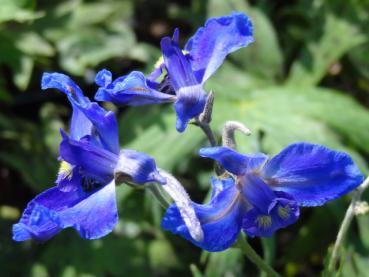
(186, 70)
(260, 196)
(91, 165)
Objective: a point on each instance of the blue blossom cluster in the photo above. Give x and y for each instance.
(255, 194)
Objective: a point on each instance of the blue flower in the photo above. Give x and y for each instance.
(263, 196)
(187, 70)
(91, 162)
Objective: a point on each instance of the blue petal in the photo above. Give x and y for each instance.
(132, 89)
(283, 212)
(93, 215)
(220, 219)
(156, 73)
(233, 161)
(94, 161)
(70, 180)
(138, 166)
(35, 223)
(212, 43)
(190, 103)
(177, 65)
(80, 125)
(256, 192)
(160, 66)
(103, 78)
(312, 174)
(105, 124)
(65, 84)
(218, 185)
(104, 121)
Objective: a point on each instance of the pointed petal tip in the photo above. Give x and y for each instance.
(45, 79)
(204, 152)
(63, 134)
(175, 36)
(20, 233)
(181, 125)
(103, 78)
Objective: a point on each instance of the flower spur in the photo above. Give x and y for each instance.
(261, 196)
(91, 164)
(186, 70)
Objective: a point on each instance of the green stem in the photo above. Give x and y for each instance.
(205, 127)
(350, 213)
(255, 258)
(158, 195)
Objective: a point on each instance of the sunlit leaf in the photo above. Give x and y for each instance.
(338, 37)
(32, 43)
(18, 10)
(82, 50)
(227, 263)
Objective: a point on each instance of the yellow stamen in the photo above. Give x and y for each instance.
(284, 212)
(161, 59)
(264, 221)
(159, 62)
(65, 170)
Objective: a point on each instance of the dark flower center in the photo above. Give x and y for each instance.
(165, 86)
(90, 184)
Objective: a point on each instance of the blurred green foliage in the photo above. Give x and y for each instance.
(306, 78)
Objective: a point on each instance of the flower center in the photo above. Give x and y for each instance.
(165, 86)
(264, 221)
(284, 212)
(89, 184)
(65, 171)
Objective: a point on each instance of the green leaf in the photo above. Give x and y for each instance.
(218, 8)
(287, 115)
(24, 151)
(162, 256)
(226, 263)
(51, 122)
(363, 225)
(94, 13)
(33, 44)
(110, 256)
(283, 114)
(86, 49)
(23, 75)
(360, 58)
(18, 10)
(156, 134)
(4, 94)
(355, 265)
(338, 37)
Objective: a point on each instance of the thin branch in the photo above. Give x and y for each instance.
(255, 258)
(350, 213)
(205, 127)
(204, 119)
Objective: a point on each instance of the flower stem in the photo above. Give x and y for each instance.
(350, 213)
(158, 195)
(204, 119)
(255, 258)
(205, 127)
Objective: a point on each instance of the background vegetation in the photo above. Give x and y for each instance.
(306, 78)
